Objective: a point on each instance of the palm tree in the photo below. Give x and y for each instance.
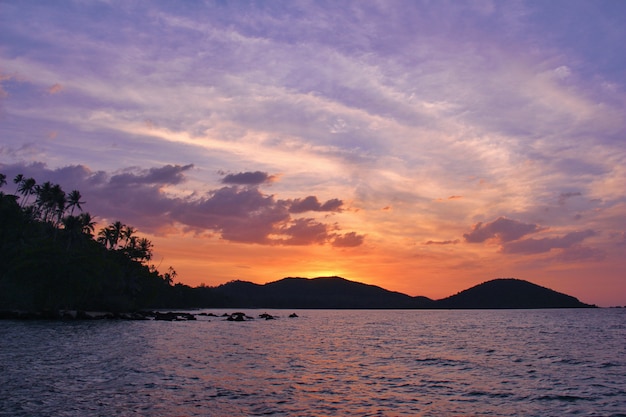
(26, 188)
(128, 235)
(110, 236)
(169, 276)
(44, 199)
(117, 229)
(3, 180)
(88, 224)
(73, 201)
(105, 236)
(17, 180)
(145, 249)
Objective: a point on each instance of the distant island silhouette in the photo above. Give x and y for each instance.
(340, 293)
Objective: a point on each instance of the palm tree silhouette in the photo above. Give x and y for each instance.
(111, 235)
(26, 187)
(73, 201)
(117, 228)
(88, 224)
(145, 249)
(128, 235)
(18, 180)
(3, 180)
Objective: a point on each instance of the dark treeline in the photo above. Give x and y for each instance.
(50, 258)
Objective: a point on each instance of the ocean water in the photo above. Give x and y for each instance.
(323, 363)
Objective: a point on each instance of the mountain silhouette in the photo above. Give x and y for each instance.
(509, 293)
(322, 292)
(340, 293)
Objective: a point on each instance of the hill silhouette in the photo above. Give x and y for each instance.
(340, 293)
(321, 292)
(509, 293)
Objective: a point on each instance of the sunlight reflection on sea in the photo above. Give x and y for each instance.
(326, 362)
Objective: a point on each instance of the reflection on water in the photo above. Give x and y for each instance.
(362, 363)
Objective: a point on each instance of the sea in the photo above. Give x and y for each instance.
(322, 363)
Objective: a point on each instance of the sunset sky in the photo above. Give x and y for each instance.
(422, 146)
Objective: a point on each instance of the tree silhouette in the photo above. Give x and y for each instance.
(26, 187)
(87, 223)
(128, 234)
(73, 229)
(17, 180)
(49, 259)
(73, 201)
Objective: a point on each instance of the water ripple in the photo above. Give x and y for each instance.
(365, 363)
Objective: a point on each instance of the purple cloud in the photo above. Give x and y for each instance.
(305, 232)
(444, 242)
(563, 197)
(533, 246)
(505, 230)
(238, 214)
(581, 253)
(168, 174)
(348, 240)
(311, 203)
(248, 178)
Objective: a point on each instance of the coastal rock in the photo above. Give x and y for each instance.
(239, 316)
(174, 316)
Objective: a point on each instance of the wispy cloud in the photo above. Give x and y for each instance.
(248, 178)
(503, 229)
(546, 244)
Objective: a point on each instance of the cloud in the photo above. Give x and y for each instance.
(248, 178)
(442, 242)
(563, 197)
(619, 236)
(245, 214)
(562, 72)
(503, 229)
(168, 174)
(510, 235)
(55, 89)
(452, 197)
(533, 246)
(237, 214)
(348, 240)
(581, 253)
(311, 203)
(305, 232)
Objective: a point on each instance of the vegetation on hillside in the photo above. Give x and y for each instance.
(50, 258)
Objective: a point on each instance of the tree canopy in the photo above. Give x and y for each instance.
(50, 258)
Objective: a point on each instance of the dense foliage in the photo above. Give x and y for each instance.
(51, 260)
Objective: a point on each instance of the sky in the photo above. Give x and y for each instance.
(421, 146)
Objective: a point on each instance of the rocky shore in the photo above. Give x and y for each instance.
(71, 315)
